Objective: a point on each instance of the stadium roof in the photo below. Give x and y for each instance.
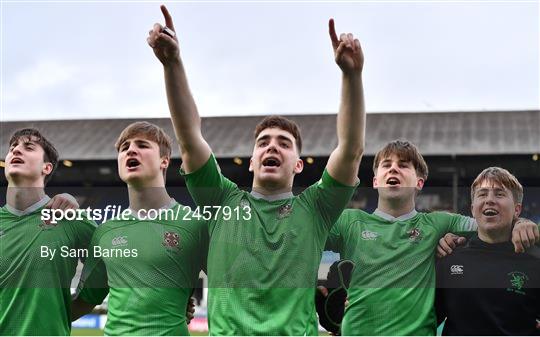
(437, 133)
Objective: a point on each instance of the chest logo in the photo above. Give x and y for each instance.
(369, 235)
(119, 241)
(517, 282)
(456, 269)
(171, 239)
(284, 211)
(415, 235)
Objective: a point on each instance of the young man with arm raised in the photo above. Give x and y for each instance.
(262, 264)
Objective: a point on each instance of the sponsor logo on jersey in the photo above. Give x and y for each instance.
(171, 239)
(369, 235)
(415, 235)
(456, 269)
(119, 241)
(517, 282)
(284, 211)
(46, 226)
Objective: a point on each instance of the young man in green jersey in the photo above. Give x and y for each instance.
(392, 288)
(263, 260)
(486, 279)
(148, 261)
(35, 277)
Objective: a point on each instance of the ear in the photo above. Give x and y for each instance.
(165, 161)
(250, 164)
(299, 166)
(375, 183)
(47, 168)
(420, 184)
(517, 210)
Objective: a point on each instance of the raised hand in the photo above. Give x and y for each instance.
(347, 51)
(164, 41)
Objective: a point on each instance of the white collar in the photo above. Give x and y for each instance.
(273, 197)
(389, 217)
(29, 209)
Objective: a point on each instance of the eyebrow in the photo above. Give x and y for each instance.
(280, 137)
(399, 161)
(26, 143)
(496, 189)
(138, 142)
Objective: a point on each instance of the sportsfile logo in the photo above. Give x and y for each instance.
(456, 269)
(369, 235)
(119, 241)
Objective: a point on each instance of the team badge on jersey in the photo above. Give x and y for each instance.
(517, 281)
(244, 203)
(415, 235)
(284, 211)
(171, 239)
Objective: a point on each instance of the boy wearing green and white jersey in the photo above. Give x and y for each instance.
(35, 273)
(392, 289)
(263, 261)
(148, 263)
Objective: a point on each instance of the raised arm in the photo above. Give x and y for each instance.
(185, 117)
(351, 120)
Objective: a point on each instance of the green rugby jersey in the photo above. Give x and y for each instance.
(150, 283)
(35, 296)
(263, 260)
(392, 289)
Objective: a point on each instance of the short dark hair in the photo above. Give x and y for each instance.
(50, 154)
(282, 123)
(405, 151)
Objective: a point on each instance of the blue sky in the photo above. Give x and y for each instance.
(71, 60)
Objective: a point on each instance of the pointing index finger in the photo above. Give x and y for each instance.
(333, 35)
(168, 17)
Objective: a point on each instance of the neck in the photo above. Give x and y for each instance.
(271, 189)
(495, 236)
(147, 198)
(395, 207)
(21, 198)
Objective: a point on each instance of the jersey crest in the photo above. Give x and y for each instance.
(284, 211)
(517, 281)
(415, 235)
(171, 239)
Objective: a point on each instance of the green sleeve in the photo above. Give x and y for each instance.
(335, 237)
(207, 186)
(455, 223)
(331, 197)
(93, 285)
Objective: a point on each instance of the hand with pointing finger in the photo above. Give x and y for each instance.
(347, 51)
(164, 41)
